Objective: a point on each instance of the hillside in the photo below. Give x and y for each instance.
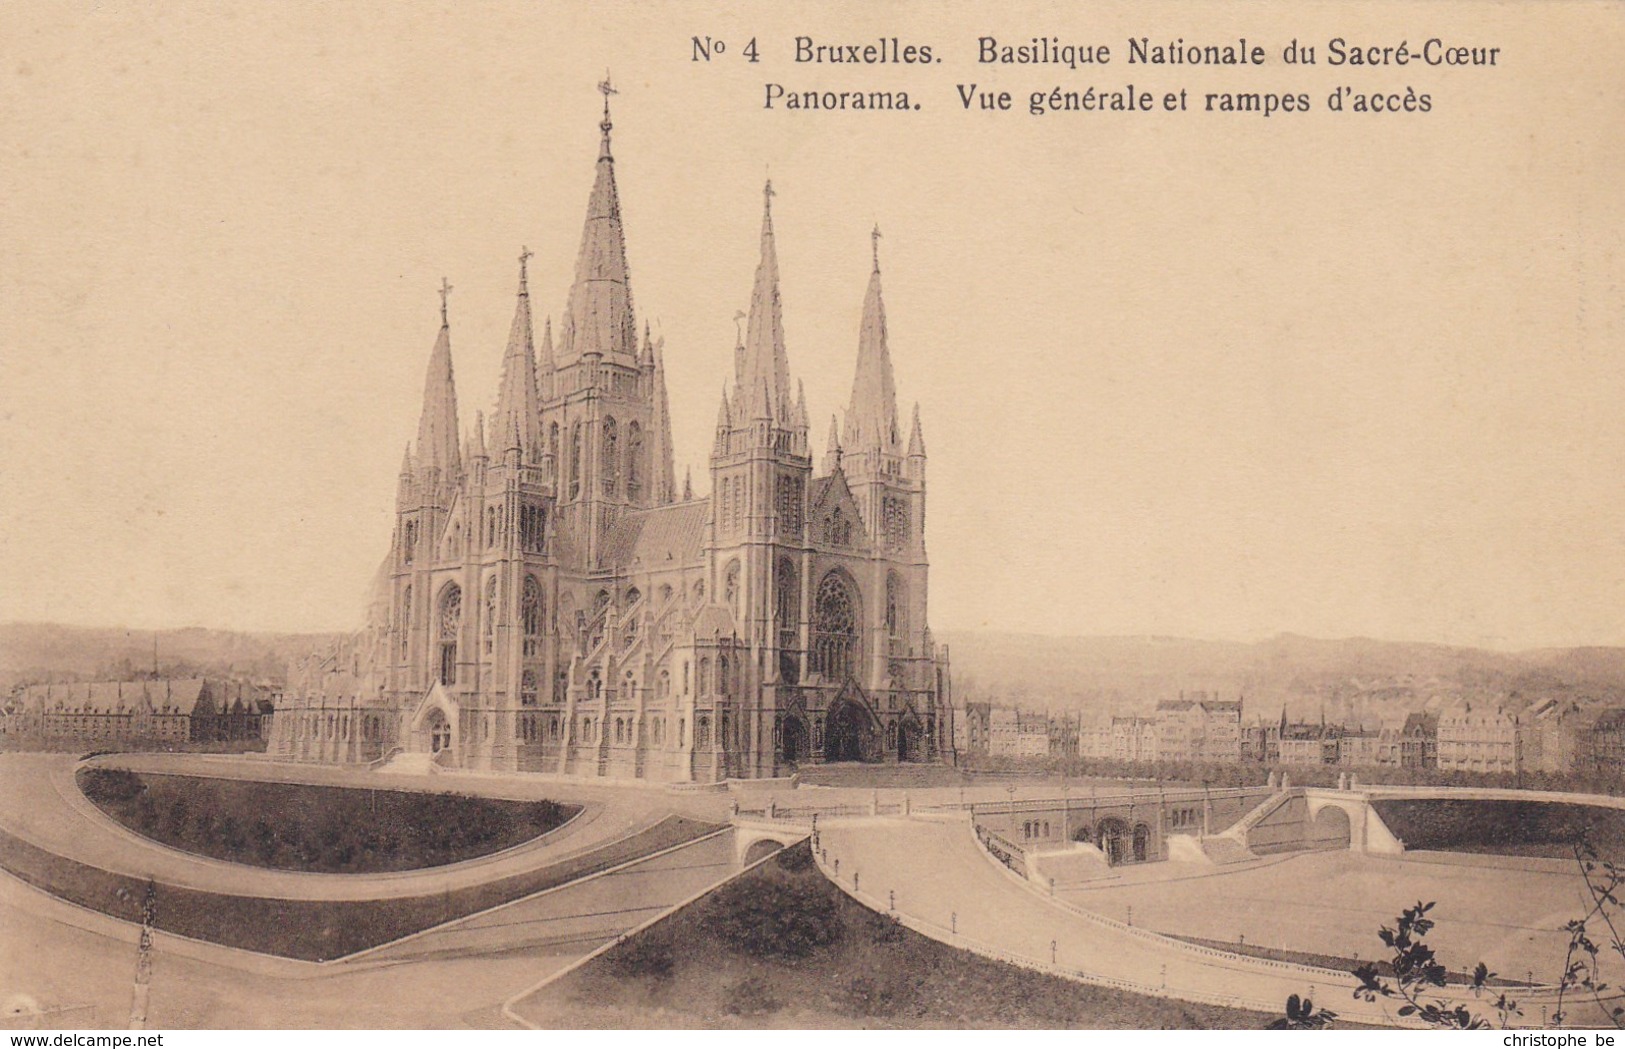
(1351, 679)
(40, 651)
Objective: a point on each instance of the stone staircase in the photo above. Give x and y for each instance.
(1224, 849)
(409, 763)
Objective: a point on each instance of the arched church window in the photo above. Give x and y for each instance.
(634, 460)
(451, 621)
(553, 451)
(575, 460)
(702, 731)
(531, 616)
(489, 627)
(702, 681)
(787, 606)
(409, 542)
(723, 680)
(896, 606)
(839, 529)
(663, 683)
(835, 627)
(895, 522)
(406, 620)
(611, 457)
(730, 588)
(789, 504)
(699, 591)
(633, 596)
(600, 603)
(595, 685)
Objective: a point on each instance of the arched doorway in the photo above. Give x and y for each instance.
(1142, 842)
(910, 741)
(849, 733)
(439, 732)
(761, 850)
(1112, 835)
(795, 741)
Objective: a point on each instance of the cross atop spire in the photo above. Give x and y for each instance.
(525, 255)
(874, 238)
(606, 89)
(445, 293)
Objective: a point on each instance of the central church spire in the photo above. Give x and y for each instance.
(598, 318)
(766, 365)
(871, 417)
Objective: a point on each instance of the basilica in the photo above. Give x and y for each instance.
(552, 601)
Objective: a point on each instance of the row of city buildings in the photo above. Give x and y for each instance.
(1549, 736)
(160, 711)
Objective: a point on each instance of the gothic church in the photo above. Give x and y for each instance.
(552, 602)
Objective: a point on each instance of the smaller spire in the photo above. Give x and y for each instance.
(916, 437)
(479, 434)
(648, 347)
(724, 418)
(406, 460)
(832, 448)
(801, 405)
(688, 484)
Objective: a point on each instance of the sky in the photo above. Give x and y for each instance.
(1195, 374)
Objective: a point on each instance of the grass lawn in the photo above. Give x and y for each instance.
(781, 947)
(335, 830)
(313, 930)
(1504, 828)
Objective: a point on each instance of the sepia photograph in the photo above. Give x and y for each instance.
(622, 516)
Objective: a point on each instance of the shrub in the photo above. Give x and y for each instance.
(797, 858)
(750, 997)
(873, 996)
(778, 916)
(111, 785)
(645, 956)
(883, 928)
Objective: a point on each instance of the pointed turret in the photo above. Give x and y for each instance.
(518, 405)
(766, 362)
(798, 419)
(477, 439)
(660, 426)
(832, 448)
(688, 484)
(871, 417)
(916, 436)
(599, 317)
(544, 362)
(437, 427)
(724, 416)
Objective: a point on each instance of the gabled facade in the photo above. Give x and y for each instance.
(552, 603)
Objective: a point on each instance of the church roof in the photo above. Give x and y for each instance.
(663, 536)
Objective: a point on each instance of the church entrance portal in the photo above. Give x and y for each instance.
(795, 741)
(910, 741)
(439, 732)
(849, 733)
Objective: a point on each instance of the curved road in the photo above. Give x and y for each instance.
(45, 807)
(937, 876)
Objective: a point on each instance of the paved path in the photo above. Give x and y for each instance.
(44, 806)
(943, 880)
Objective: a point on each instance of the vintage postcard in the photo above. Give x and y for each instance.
(624, 515)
